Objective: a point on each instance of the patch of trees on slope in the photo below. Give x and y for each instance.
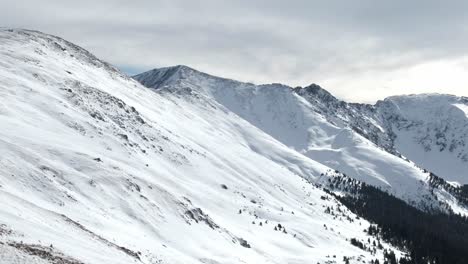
(428, 237)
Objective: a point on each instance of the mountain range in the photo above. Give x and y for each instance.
(178, 166)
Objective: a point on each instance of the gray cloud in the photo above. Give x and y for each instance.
(359, 49)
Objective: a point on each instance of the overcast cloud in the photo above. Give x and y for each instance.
(359, 50)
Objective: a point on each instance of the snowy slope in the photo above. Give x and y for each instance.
(96, 168)
(431, 130)
(314, 123)
(428, 129)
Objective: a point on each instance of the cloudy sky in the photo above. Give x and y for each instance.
(360, 50)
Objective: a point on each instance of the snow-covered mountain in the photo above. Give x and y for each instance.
(431, 130)
(356, 139)
(97, 168)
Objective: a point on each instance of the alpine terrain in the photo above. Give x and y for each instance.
(177, 166)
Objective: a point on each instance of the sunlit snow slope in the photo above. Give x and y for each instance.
(311, 121)
(431, 130)
(96, 168)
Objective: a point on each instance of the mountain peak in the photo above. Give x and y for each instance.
(51, 43)
(317, 91)
(179, 68)
(421, 96)
(159, 77)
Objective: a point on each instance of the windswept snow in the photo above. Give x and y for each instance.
(96, 168)
(312, 122)
(432, 131)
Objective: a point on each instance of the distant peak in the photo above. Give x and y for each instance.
(424, 97)
(316, 90)
(159, 77)
(172, 70)
(176, 68)
(184, 67)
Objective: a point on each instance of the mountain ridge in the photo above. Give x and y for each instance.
(381, 123)
(97, 168)
(312, 87)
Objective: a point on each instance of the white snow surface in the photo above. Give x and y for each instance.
(302, 121)
(432, 131)
(96, 168)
